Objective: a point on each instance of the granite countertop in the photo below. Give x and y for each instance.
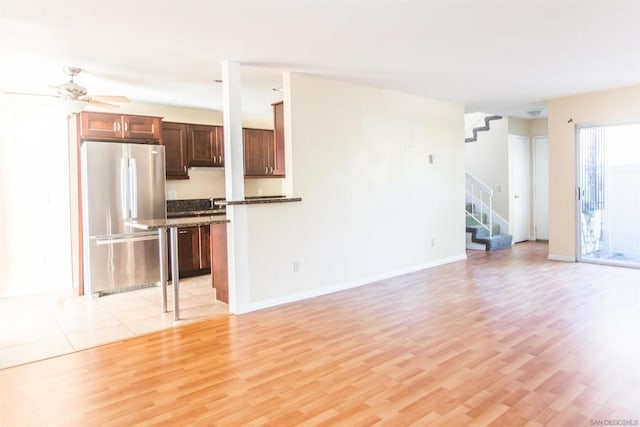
(155, 224)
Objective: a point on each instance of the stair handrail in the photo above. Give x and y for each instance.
(478, 120)
(483, 197)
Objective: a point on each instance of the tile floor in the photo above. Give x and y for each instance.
(40, 326)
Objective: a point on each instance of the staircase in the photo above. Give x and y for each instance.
(483, 225)
(484, 122)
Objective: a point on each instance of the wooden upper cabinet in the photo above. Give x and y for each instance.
(278, 139)
(257, 151)
(141, 127)
(174, 139)
(264, 149)
(206, 145)
(261, 155)
(111, 126)
(100, 125)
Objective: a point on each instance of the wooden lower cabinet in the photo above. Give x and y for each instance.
(193, 251)
(219, 270)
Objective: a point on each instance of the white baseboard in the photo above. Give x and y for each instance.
(563, 258)
(348, 285)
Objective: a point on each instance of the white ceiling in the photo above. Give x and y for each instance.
(506, 57)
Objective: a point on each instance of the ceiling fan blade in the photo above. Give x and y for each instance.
(101, 104)
(110, 98)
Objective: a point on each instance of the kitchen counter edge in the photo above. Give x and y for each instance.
(155, 224)
(259, 201)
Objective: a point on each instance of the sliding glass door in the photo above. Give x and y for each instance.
(609, 194)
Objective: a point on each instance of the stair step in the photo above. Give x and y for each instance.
(497, 241)
(480, 231)
(471, 221)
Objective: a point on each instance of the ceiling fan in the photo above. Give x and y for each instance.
(72, 91)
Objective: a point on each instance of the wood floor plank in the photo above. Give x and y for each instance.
(505, 338)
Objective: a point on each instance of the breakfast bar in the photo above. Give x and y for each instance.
(172, 224)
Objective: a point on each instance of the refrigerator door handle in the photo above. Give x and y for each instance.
(133, 182)
(124, 188)
(112, 240)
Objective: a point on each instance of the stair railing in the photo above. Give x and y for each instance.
(474, 120)
(479, 194)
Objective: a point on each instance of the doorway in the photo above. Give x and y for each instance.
(608, 193)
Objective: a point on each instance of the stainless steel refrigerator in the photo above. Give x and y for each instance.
(120, 182)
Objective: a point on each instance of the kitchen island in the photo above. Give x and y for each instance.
(172, 224)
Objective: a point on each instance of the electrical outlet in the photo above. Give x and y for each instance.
(296, 266)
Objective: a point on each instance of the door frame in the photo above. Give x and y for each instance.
(534, 148)
(577, 198)
(512, 218)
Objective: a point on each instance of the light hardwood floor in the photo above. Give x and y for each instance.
(505, 338)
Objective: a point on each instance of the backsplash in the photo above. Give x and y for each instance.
(191, 205)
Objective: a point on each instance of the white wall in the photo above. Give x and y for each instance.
(372, 204)
(610, 106)
(35, 249)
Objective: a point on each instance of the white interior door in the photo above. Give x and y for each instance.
(521, 188)
(541, 187)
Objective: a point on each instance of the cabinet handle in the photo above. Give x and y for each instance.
(271, 170)
(182, 231)
(266, 169)
(126, 126)
(115, 126)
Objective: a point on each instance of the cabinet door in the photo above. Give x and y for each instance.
(219, 270)
(256, 152)
(188, 252)
(141, 127)
(174, 139)
(203, 146)
(100, 125)
(219, 145)
(278, 136)
(204, 233)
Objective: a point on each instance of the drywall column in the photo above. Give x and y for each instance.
(237, 230)
(287, 185)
